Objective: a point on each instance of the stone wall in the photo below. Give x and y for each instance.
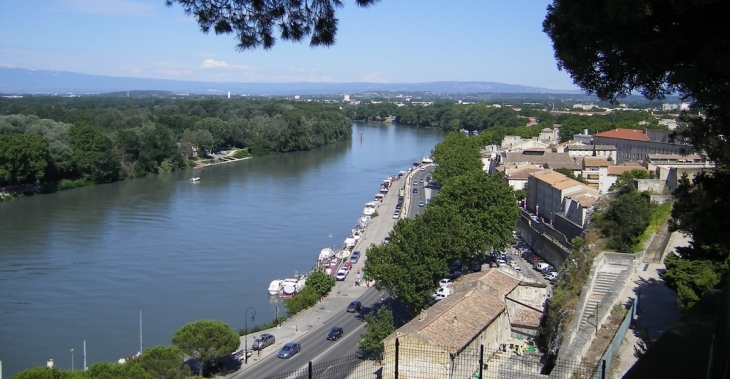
(656, 186)
(544, 244)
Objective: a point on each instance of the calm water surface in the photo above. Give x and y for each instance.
(81, 264)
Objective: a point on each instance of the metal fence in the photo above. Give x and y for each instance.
(612, 348)
(409, 361)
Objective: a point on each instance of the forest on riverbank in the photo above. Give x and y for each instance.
(55, 143)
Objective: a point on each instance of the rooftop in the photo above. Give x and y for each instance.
(625, 134)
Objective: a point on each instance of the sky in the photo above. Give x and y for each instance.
(395, 41)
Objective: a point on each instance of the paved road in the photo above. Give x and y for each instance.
(310, 327)
(425, 190)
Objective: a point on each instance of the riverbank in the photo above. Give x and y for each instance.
(299, 325)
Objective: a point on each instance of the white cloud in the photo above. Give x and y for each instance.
(373, 77)
(212, 64)
(105, 7)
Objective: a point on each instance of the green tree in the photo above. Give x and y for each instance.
(23, 157)
(94, 153)
(106, 370)
(40, 372)
(457, 154)
(164, 362)
(625, 219)
(380, 325)
(253, 22)
(690, 278)
(627, 178)
(320, 282)
(486, 204)
(206, 340)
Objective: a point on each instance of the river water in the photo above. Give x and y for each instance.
(80, 265)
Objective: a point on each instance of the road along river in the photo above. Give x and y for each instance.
(80, 265)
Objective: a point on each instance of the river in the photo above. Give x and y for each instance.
(81, 264)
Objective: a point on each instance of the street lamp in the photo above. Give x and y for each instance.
(72, 360)
(245, 349)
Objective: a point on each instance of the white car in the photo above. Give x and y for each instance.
(445, 282)
(552, 276)
(342, 274)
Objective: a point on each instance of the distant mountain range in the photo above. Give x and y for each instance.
(24, 81)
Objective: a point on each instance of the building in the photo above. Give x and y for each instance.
(536, 158)
(583, 150)
(486, 309)
(517, 179)
(552, 195)
(595, 172)
(635, 145)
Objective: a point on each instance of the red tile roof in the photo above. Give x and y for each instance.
(627, 134)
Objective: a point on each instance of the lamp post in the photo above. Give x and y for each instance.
(245, 349)
(72, 360)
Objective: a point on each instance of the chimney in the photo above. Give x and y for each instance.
(422, 315)
(456, 321)
(585, 131)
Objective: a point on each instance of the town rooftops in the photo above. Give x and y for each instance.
(584, 197)
(625, 134)
(522, 174)
(618, 170)
(556, 179)
(540, 158)
(526, 317)
(674, 158)
(584, 147)
(595, 162)
(455, 321)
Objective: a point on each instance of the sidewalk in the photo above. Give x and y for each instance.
(657, 308)
(341, 294)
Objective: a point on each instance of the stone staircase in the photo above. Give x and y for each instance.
(601, 286)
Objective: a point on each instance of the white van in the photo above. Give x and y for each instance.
(540, 265)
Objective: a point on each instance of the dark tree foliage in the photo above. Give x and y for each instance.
(657, 48)
(625, 219)
(116, 138)
(254, 21)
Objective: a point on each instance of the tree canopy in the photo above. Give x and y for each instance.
(612, 49)
(254, 21)
(206, 340)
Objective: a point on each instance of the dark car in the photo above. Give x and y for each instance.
(289, 350)
(415, 190)
(335, 333)
(354, 307)
(355, 256)
(262, 341)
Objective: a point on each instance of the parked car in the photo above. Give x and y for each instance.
(341, 274)
(260, 342)
(396, 215)
(335, 333)
(347, 266)
(421, 203)
(446, 291)
(415, 190)
(540, 265)
(501, 262)
(552, 276)
(455, 275)
(445, 282)
(355, 256)
(289, 350)
(354, 307)
(386, 239)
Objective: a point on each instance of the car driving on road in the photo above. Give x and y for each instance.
(289, 350)
(335, 333)
(354, 307)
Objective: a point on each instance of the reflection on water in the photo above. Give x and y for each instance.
(80, 265)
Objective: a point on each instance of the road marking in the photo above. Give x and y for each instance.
(332, 347)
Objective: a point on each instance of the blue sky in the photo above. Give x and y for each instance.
(396, 41)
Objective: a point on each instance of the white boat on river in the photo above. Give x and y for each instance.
(293, 285)
(370, 208)
(275, 287)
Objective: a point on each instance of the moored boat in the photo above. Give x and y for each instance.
(275, 287)
(369, 209)
(195, 179)
(293, 285)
